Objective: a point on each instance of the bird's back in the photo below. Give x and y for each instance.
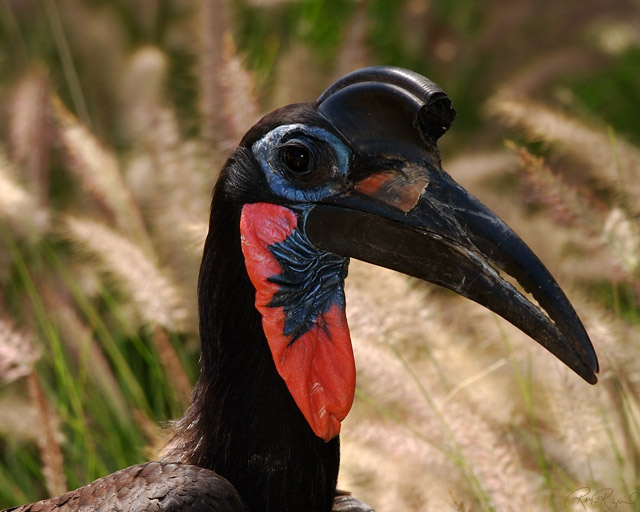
(154, 486)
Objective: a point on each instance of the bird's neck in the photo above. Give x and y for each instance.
(243, 422)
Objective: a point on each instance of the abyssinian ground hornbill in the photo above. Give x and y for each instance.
(355, 174)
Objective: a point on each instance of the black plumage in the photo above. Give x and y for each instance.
(154, 486)
(243, 422)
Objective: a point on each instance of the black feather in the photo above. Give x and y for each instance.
(279, 464)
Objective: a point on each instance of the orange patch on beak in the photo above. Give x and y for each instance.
(394, 188)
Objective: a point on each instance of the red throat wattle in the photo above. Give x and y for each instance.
(317, 366)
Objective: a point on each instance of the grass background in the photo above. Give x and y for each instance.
(115, 119)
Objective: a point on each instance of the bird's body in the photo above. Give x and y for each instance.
(355, 174)
(154, 486)
(162, 487)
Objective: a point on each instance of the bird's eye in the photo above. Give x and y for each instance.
(303, 160)
(297, 157)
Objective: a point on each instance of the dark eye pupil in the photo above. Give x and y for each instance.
(297, 158)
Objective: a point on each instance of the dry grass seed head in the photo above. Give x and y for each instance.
(385, 481)
(213, 23)
(143, 81)
(17, 353)
(453, 425)
(617, 166)
(228, 105)
(387, 461)
(618, 234)
(30, 130)
(566, 204)
(170, 177)
(49, 439)
(240, 107)
(621, 236)
(18, 207)
(157, 301)
(99, 173)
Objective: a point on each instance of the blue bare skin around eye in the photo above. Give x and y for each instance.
(265, 151)
(310, 283)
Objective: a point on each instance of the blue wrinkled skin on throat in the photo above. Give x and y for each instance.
(310, 283)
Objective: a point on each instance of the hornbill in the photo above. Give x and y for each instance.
(356, 173)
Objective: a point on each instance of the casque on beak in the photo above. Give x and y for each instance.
(404, 212)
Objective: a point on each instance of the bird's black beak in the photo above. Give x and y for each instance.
(403, 212)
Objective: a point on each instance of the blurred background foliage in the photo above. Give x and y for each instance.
(115, 119)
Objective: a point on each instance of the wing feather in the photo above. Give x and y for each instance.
(154, 486)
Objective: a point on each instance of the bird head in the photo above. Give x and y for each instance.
(357, 173)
